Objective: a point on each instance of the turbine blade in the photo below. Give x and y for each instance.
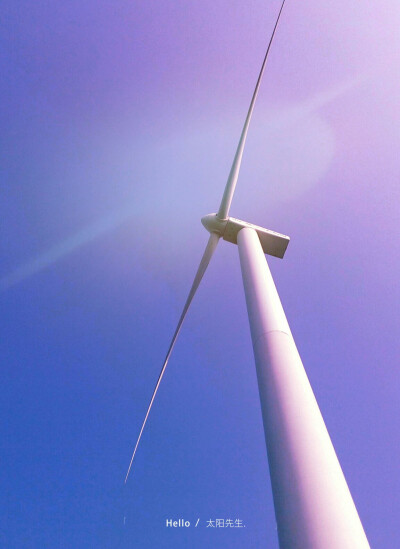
(234, 173)
(205, 260)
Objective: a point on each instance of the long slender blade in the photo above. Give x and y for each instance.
(205, 260)
(234, 173)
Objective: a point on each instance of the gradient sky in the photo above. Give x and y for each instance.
(119, 122)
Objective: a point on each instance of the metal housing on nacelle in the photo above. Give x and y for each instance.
(272, 243)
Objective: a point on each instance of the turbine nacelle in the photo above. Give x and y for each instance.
(272, 243)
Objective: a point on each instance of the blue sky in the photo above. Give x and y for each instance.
(119, 125)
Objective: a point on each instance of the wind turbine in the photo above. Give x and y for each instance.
(313, 505)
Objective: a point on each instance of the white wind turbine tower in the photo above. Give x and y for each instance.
(313, 505)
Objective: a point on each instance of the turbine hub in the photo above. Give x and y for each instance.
(214, 224)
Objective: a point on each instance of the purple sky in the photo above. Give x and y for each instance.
(119, 124)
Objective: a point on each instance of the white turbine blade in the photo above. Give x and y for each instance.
(234, 173)
(205, 260)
